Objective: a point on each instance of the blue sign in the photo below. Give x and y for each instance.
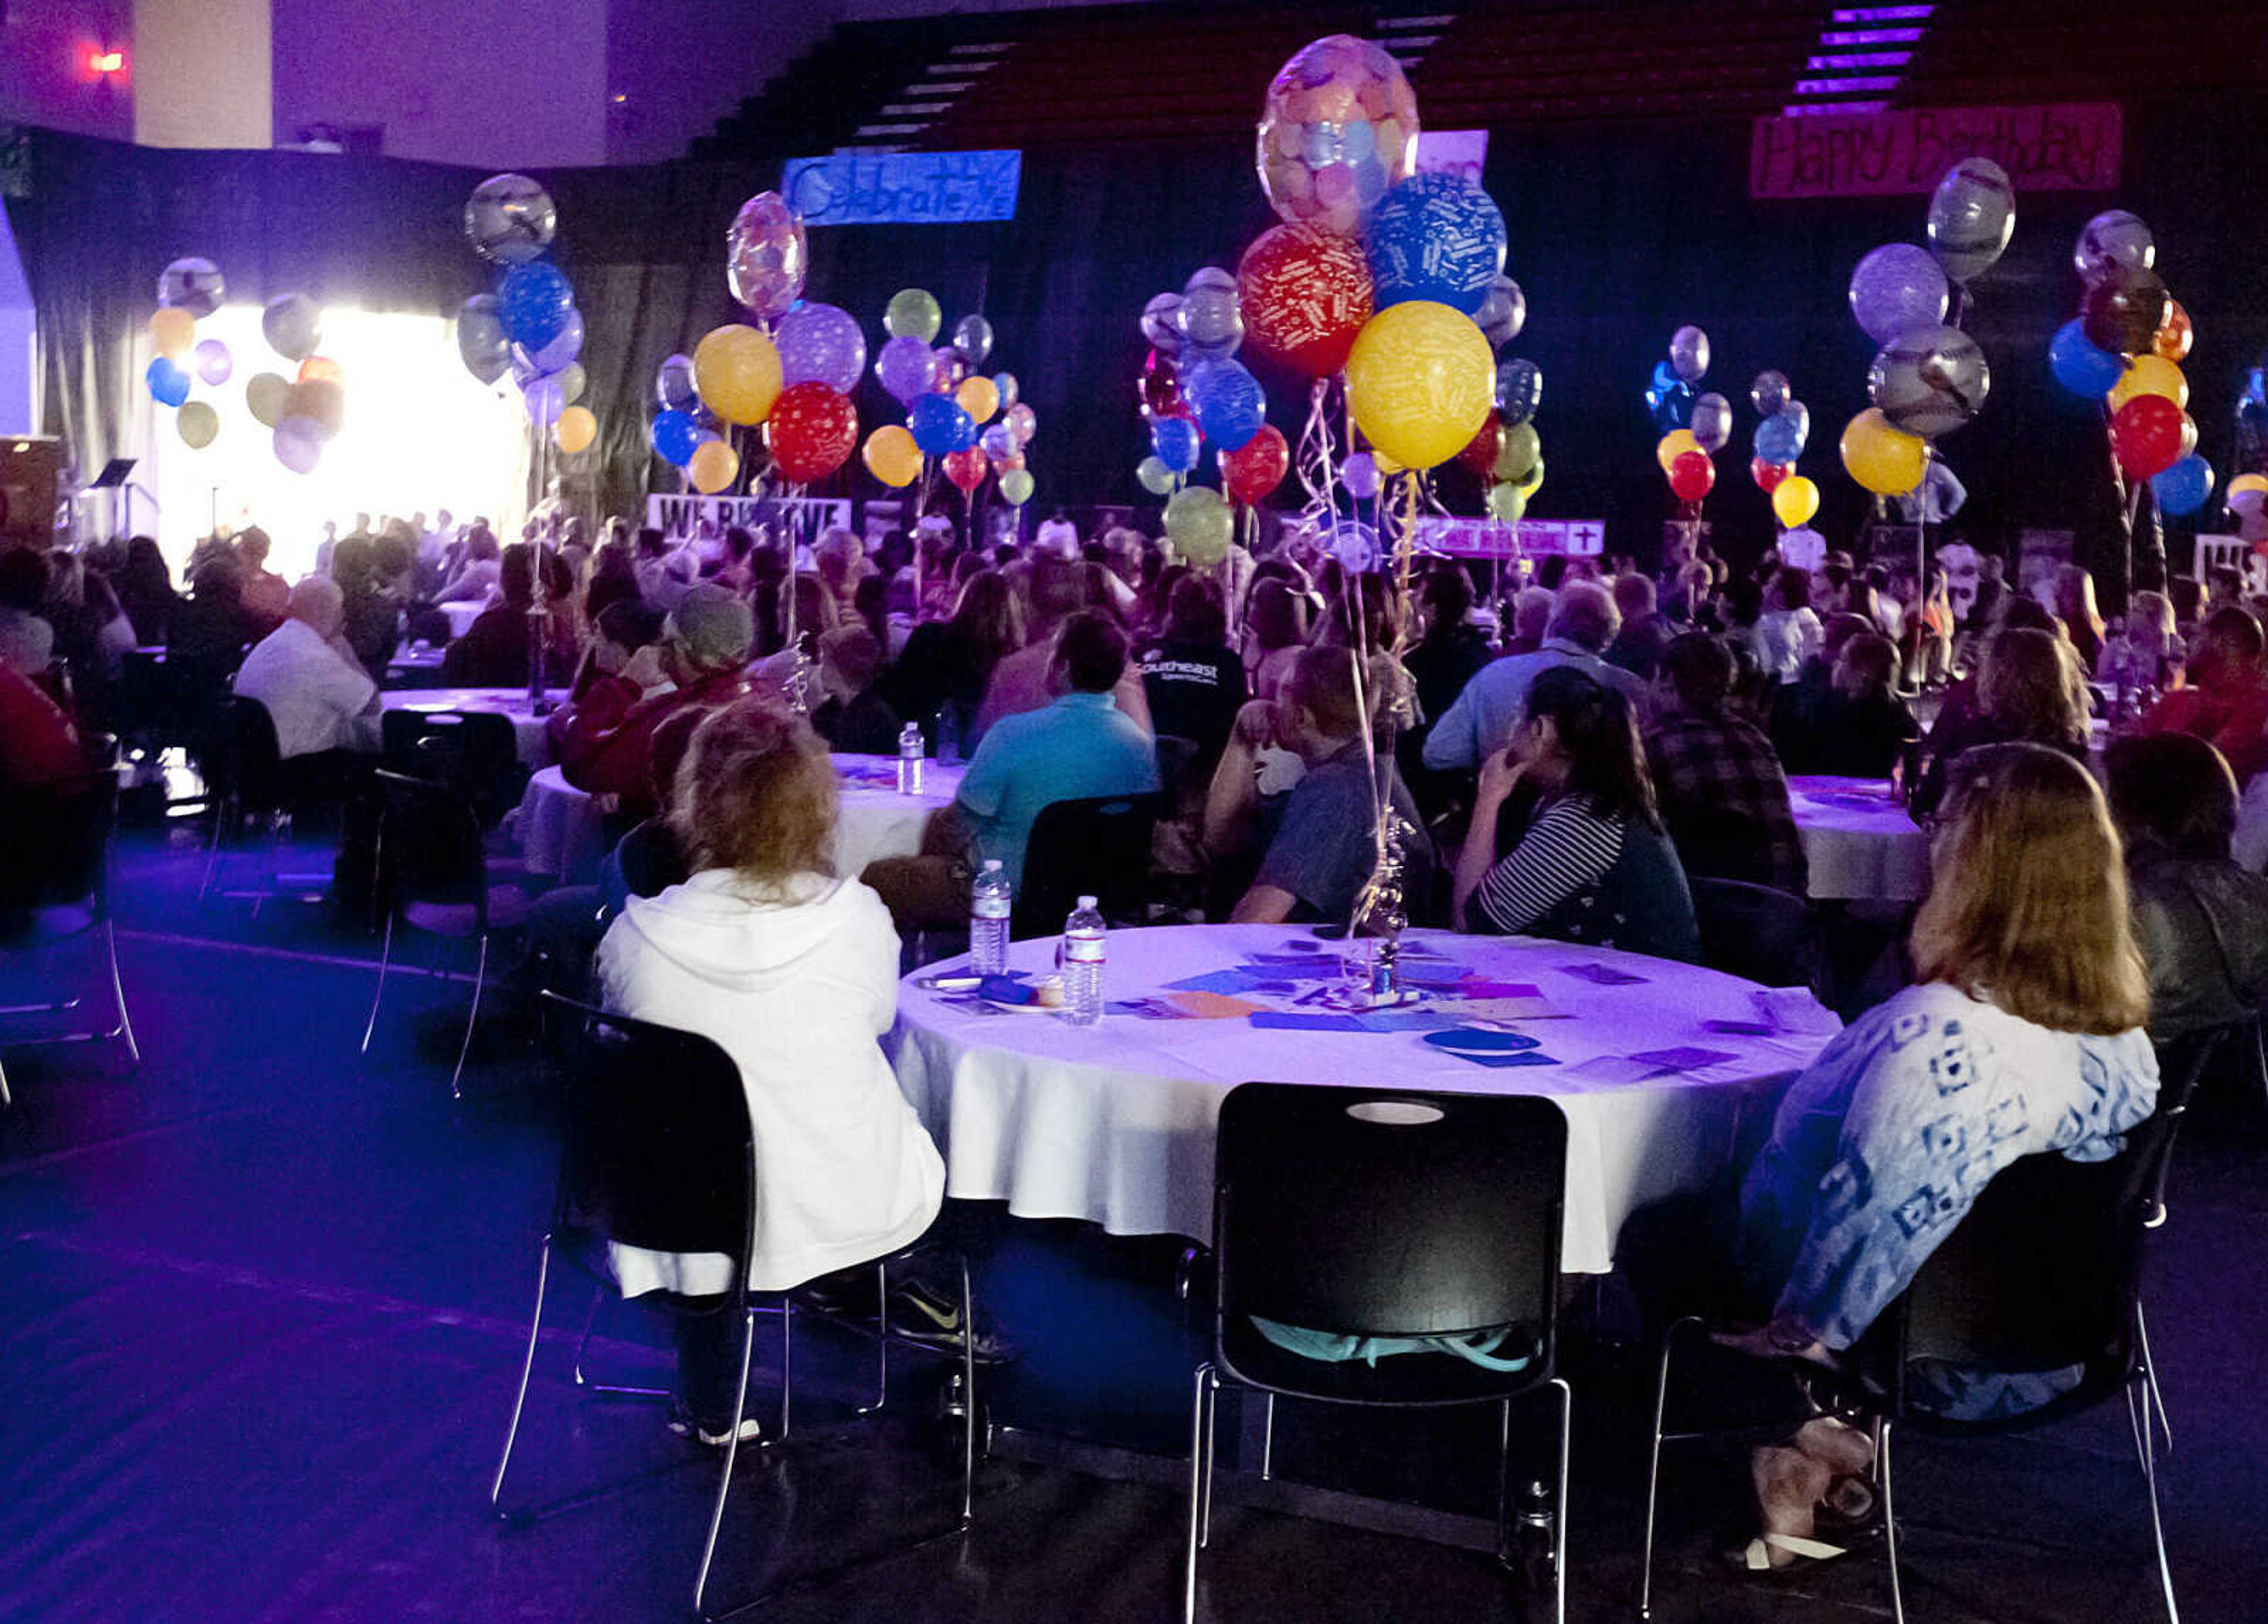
(903, 188)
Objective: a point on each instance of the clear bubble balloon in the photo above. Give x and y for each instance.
(972, 340)
(2113, 245)
(1519, 389)
(1972, 215)
(766, 258)
(510, 219)
(1161, 323)
(214, 363)
(480, 342)
(1689, 353)
(1929, 382)
(573, 380)
(293, 326)
(1502, 312)
(192, 284)
(1712, 422)
(1768, 392)
(1337, 130)
(673, 385)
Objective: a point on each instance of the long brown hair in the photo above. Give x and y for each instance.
(756, 794)
(2031, 686)
(2028, 907)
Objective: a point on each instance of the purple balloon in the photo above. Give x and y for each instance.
(998, 441)
(1896, 288)
(214, 363)
(907, 368)
(299, 444)
(1360, 475)
(561, 352)
(821, 344)
(546, 400)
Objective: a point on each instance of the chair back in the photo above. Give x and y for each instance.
(1098, 848)
(2182, 1065)
(429, 846)
(475, 752)
(1756, 933)
(249, 764)
(54, 840)
(657, 1150)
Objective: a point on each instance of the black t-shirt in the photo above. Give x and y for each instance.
(1195, 691)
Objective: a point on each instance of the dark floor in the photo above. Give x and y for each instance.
(264, 1305)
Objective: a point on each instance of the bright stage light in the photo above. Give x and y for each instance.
(420, 434)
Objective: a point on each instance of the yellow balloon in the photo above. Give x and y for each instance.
(2243, 482)
(1887, 461)
(892, 457)
(2150, 374)
(736, 369)
(1675, 445)
(1420, 381)
(1795, 499)
(1386, 467)
(977, 397)
(577, 429)
(715, 464)
(172, 332)
(197, 423)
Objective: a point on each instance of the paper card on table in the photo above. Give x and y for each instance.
(1313, 963)
(1432, 972)
(1616, 1069)
(1793, 1011)
(1497, 990)
(1526, 1057)
(1222, 981)
(1212, 1006)
(1507, 1009)
(1150, 1009)
(1271, 1020)
(1739, 1029)
(1403, 1020)
(1604, 975)
(1682, 1059)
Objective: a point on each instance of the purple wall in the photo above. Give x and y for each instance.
(44, 79)
(679, 66)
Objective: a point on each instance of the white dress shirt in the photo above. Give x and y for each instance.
(315, 697)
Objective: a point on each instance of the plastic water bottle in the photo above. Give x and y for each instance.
(1082, 964)
(992, 900)
(911, 750)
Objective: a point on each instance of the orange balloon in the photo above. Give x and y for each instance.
(171, 331)
(2175, 338)
(977, 397)
(714, 464)
(322, 368)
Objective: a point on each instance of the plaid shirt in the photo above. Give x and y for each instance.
(1725, 799)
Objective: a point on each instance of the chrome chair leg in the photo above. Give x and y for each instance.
(882, 1341)
(1559, 1501)
(526, 1369)
(731, 1455)
(1268, 1440)
(1889, 1519)
(125, 1028)
(1198, 1468)
(212, 852)
(385, 958)
(2157, 1521)
(472, 1019)
(6, 1099)
(968, 1398)
(583, 1343)
(2150, 1369)
(1654, 1466)
(1212, 1417)
(1504, 1485)
(787, 1364)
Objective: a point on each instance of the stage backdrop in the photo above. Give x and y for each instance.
(1618, 235)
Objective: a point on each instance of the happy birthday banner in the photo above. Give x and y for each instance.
(903, 188)
(2063, 147)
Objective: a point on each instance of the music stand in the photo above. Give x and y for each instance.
(115, 477)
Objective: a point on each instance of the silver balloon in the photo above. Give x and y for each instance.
(1210, 277)
(766, 256)
(1797, 417)
(191, 284)
(1768, 394)
(1712, 422)
(293, 326)
(510, 219)
(972, 340)
(1503, 311)
(572, 382)
(1971, 216)
(1929, 381)
(1161, 323)
(1689, 353)
(481, 341)
(2112, 244)
(1211, 324)
(673, 385)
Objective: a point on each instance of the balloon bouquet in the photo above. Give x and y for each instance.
(1783, 430)
(1694, 427)
(188, 291)
(1193, 389)
(951, 408)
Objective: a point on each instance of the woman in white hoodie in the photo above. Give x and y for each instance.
(793, 972)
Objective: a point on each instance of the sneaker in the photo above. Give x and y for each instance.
(684, 1427)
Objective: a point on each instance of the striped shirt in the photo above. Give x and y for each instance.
(1566, 851)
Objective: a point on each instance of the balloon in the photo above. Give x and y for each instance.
(2150, 374)
(951, 368)
(578, 428)
(322, 368)
(1692, 475)
(737, 371)
(1436, 237)
(1481, 452)
(298, 444)
(967, 469)
(820, 344)
(1015, 487)
(1209, 276)
(1338, 128)
(907, 367)
(2244, 487)
(2179, 490)
(320, 401)
(264, 394)
(1770, 475)
(676, 436)
(1519, 389)
(1712, 422)
(672, 383)
(1228, 403)
(1360, 476)
(168, 381)
(572, 382)
(172, 332)
(1211, 326)
(766, 257)
(972, 340)
(1532, 481)
(714, 464)
(293, 326)
(1174, 440)
(1972, 215)
(1888, 461)
(978, 398)
(1778, 439)
(1304, 294)
(197, 424)
(510, 219)
(1518, 456)
(2145, 435)
(812, 431)
(1507, 504)
(481, 343)
(1794, 500)
(938, 425)
(191, 284)
(1253, 469)
(1669, 399)
(1896, 289)
(2175, 338)
(1022, 421)
(1161, 387)
(1689, 353)
(2123, 314)
(1768, 394)
(1004, 386)
(2079, 365)
(998, 442)
(214, 363)
(1502, 312)
(2111, 246)
(1156, 477)
(1420, 382)
(913, 313)
(1677, 443)
(1198, 523)
(535, 303)
(892, 457)
(1930, 381)
(1161, 322)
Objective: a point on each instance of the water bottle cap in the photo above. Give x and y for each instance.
(991, 864)
(1086, 903)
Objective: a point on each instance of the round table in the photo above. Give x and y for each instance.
(1860, 844)
(460, 616)
(528, 729)
(1115, 1124)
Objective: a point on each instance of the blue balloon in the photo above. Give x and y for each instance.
(2183, 489)
(1436, 237)
(2079, 365)
(1175, 441)
(168, 381)
(1228, 400)
(533, 301)
(1665, 378)
(939, 427)
(1672, 408)
(1779, 438)
(676, 437)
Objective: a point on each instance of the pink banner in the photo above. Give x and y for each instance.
(2063, 147)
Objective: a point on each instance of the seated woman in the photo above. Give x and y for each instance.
(794, 972)
(2029, 690)
(1864, 727)
(1594, 863)
(2023, 1035)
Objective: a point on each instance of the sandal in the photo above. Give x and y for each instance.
(1755, 1556)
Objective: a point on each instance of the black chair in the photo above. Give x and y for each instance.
(1757, 933)
(1097, 847)
(658, 1152)
(249, 779)
(55, 886)
(2044, 1275)
(1399, 1215)
(475, 752)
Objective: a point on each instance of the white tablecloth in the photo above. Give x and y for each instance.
(1860, 844)
(1115, 1125)
(460, 616)
(527, 726)
(563, 832)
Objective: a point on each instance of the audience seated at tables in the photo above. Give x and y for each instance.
(28, 641)
(493, 653)
(370, 578)
(2023, 1035)
(1862, 729)
(2146, 654)
(1593, 864)
(1024, 680)
(1532, 609)
(1193, 681)
(211, 624)
(1721, 792)
(1484, 717)
(618, 631)
(1276, 628)
(324, 705)
(1450, 650)
(266, 595)
(794, 973)
(145, 591)
(950, 661)
(477, 573)
(2029, 690)
(1787, 632)
(1318, 843)
(1637, 648)
(92, 635)
(2225, 701)
(39, 744)
(852, 718)
(1799, 708)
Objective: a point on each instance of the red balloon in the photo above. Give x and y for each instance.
(967, 469)
(1486, 447)
(1161, 389)
(1305, 294)
(1692, 475)
(812, 432)
(2147, 435)
(1257, 466)
(1768, 475)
